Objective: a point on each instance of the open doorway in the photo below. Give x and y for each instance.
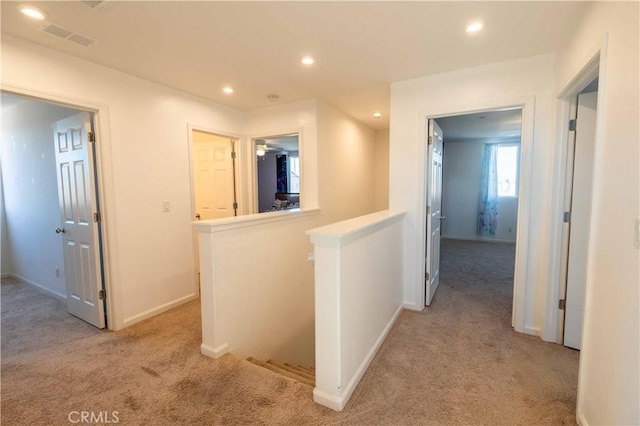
(213, 180)
(214, 175)
(577, 215)
(52, 228)
(473, 233)
(277, 173)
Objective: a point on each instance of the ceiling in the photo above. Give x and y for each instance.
(283, 143)
(9, 101)
(256, 47)
(482, 126)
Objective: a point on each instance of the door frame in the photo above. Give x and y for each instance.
(521, 273)
(191, 127)
(593, 66)
(102, 164)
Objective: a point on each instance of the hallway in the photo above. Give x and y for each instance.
(458, 362)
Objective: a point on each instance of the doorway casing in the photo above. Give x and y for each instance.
(102, 165)
(527, 105)
(594, 66)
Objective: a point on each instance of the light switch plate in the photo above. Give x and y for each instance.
(166, 206)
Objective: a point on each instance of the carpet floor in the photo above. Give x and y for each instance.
(458, 362)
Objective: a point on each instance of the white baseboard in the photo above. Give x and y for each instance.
(215, 353)
(40, 288)
(534, 331)
(581, 420)
(160, 309)
(338, 402)
(412, 307)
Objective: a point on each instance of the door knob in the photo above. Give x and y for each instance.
(60, 230)
(198, 216)
(443, 217)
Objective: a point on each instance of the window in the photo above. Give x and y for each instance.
(508, 170)
(294, 174)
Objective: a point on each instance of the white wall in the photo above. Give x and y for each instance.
(263, 289)
(257, 287)
(346, 165)
(608, 388)
(381, 172)
(462, 170)
(144, 159)
(467, 90)
(30, 192)
(357, 297)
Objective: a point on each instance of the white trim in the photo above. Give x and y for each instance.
(594, 65)
(412, 307)
(39, 287)
(228, 223)
(337, 403)
(160, 309)
(534, 331)
(527, 104)
(214, 353)
(581, 420)
(342, 233)
(103, 165)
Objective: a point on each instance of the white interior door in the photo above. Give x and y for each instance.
(214, 181)
(580, 216)
(79, 216)
(434, 210)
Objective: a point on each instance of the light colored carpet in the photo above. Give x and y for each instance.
(458, 362)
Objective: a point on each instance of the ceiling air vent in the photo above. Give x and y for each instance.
(67, 34)
(96, 4)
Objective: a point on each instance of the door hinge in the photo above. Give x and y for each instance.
(566, 217)
(97, 217)
(428, 209)
(573, 124)
(102, 294)
(426, 276)
(233, 155)
(561, 304)
(91, 136)
(235, 206)
(430, 140)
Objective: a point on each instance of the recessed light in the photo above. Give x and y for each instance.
(377, 114)
(228, 90)
(307, 60)
(32, 12)
(474, 26)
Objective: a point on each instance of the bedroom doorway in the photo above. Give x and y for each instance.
(52, 230)
(277, 172)
(480, 202)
